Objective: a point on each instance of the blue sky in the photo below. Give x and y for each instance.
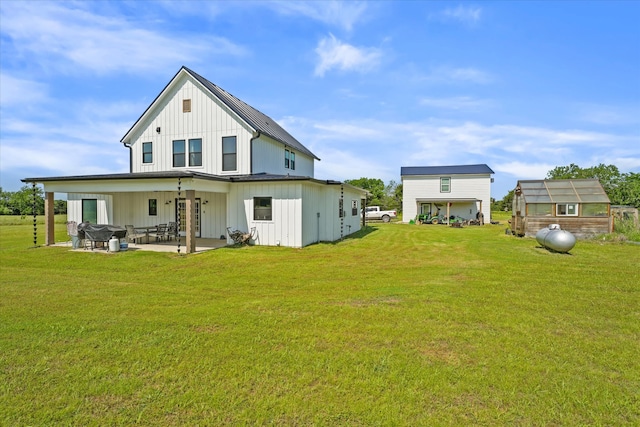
(367, 86)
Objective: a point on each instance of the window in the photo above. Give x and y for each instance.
(262, 209)
(540, 209)
(354, 208)
(445, 185)
(147, 152)
(594, 209)
(341, 208)
(153, 207)
(567, 209)
(195, 152)
(90, 210)
(178, 153)
(186, 105)
(289, 160)
(229, 153)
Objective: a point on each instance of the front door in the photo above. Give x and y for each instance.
(181, 208)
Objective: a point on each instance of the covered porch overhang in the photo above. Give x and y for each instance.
(183, 184)
(447, 202)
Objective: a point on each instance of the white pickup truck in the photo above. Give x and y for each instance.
(374, 212)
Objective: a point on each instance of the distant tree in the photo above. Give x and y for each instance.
(504, 204)
(628, 190)
(374, 186)
(59, 207)
(22, 201)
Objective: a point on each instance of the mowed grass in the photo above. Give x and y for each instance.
(401, 325)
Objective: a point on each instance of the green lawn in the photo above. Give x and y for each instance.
(402, 325)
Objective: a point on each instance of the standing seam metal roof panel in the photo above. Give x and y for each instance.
(445, 170)
(252, 116)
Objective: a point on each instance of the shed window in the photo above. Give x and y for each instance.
(153, 207)
(567, 209)
(354, 208)
(229, 153)
(195, 152)
(445, 185)
(540, 209)
(147, 152)
(186, 105)
(178, 153)
(595, 209)
(262, 209)
(90, 210)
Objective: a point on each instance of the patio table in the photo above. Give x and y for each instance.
(147, 229)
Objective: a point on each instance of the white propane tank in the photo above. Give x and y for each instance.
(114, 244)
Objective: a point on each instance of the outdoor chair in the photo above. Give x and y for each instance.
(172, 231)
(161, 232)
(133, 235)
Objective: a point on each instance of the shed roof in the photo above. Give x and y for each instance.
(446, 170)
(563, 191)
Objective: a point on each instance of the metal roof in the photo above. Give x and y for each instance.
(445, 170)
(254, 118)
(563, 191)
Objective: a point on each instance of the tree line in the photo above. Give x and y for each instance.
(22, 202)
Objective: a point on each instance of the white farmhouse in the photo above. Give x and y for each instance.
(460, 190)
(200, 154)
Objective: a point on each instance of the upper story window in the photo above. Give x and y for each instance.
(567, 209)
(195, 152)
(445, 185)
(178, 153)
(229, 153)
(186, 105)
(289, 160)
(147, 152)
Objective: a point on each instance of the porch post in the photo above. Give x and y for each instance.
(49, 220)
(190, 221)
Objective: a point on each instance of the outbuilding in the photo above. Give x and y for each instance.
(580, 206)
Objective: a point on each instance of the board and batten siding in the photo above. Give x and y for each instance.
(285, 228)
(417, 187)
(323, 200)
(104, 205)
(209, 120)
(268, 157)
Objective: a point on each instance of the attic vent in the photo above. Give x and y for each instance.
(186, 105)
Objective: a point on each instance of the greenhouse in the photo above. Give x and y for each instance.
(580, 206)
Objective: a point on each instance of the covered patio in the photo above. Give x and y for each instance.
(201, 245)
(118, 202)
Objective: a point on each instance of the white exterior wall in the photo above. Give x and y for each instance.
(104, 205)
(209, 119)
(268, 156)
(133, 208)
(416, 187)
(285, 227)
(324, 200)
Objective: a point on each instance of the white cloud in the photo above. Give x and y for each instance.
(455, 75)
(456, 103)
(343, 14)
(468, 15)
(66, 36)
(334, 54)
(16, 92)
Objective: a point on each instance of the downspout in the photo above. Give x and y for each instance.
(130, 156)
(256, 135)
